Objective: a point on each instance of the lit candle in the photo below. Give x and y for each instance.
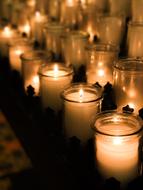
(127, 83)
(74, 44)
(37, 23)
(31, 62)
(117, 137)
(53, 79)
(81, 103)
(7, 35)
(25, 29)
(17, 48)
(100, 59)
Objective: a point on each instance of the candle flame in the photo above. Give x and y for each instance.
(26, 28)
(36, 80)
(18, 52)
(81, 93)
(37, 14)
(7, 31)
(117, 141)
(132, 93)
(70, 3)
(56, 70)
(101, 72)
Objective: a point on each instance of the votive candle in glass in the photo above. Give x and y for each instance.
(31, 62)
(137, 10)
(53, 40)
(16, 49)
(54, 77)
(127, 83)
(81, 102)
(111, 29)
(74, 44)
(117, 143)
(7, 35)
(100, 61)
(135, 39)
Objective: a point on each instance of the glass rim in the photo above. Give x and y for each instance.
(36, 55)
(135, 23)
(129, 116)
(50, 65)
(122, 66)
(76, 34)
(72, 88)
(102, 47)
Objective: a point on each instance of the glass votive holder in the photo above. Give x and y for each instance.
(7, 35)
(111, 29)
(53, 41)
(31, 62)
(54, 77)
(74, 43)
(135, 39)
(54, 10)
(100, 61)
(16, 49)
(122, 7)
(127, 83)
(117, 145)
(81, 102)
(37, 22)
(137, 10)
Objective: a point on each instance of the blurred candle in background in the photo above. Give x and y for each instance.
(16, 49)
(31, 62)
(54, 78)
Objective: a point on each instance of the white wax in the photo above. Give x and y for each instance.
(14, 56)
(79, 115)
(51, 86)
(117, 156)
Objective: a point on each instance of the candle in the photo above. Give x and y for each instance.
(127, 83)
(135, 39)
(53, 32)
(7, 35)
(117, 137)
(81, 103)
(74, 43)
(111, 29)
(37, 22)
(100, 59)
(25, 28)
(31, 62)
(17, 48)
(53, 79)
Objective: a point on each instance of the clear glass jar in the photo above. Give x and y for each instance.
(74, 44)
(31, 62)
(117, 142)
(81, 103)
(16, 49)
(53, 41)
(111, 29)
(100, 61)
(54, 77)
(135, 39)
(127, 83)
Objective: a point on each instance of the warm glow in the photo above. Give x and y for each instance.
(56, 70)
(38, 16)
(7, 32)
(117, 141)
(131, 105)
(70, 3)
(101, 72)
(81, 93)
(100, 63)
(132, 93)
(18, 52)
(31, 3)
(90, 31)
(26, 28)
(36, 80)
(115, 119)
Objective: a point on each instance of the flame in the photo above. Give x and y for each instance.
(101, 72)
(131, 105)
(36, 80)
(117, 141)
(56, 70)
(7, 31)
(18, 52)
